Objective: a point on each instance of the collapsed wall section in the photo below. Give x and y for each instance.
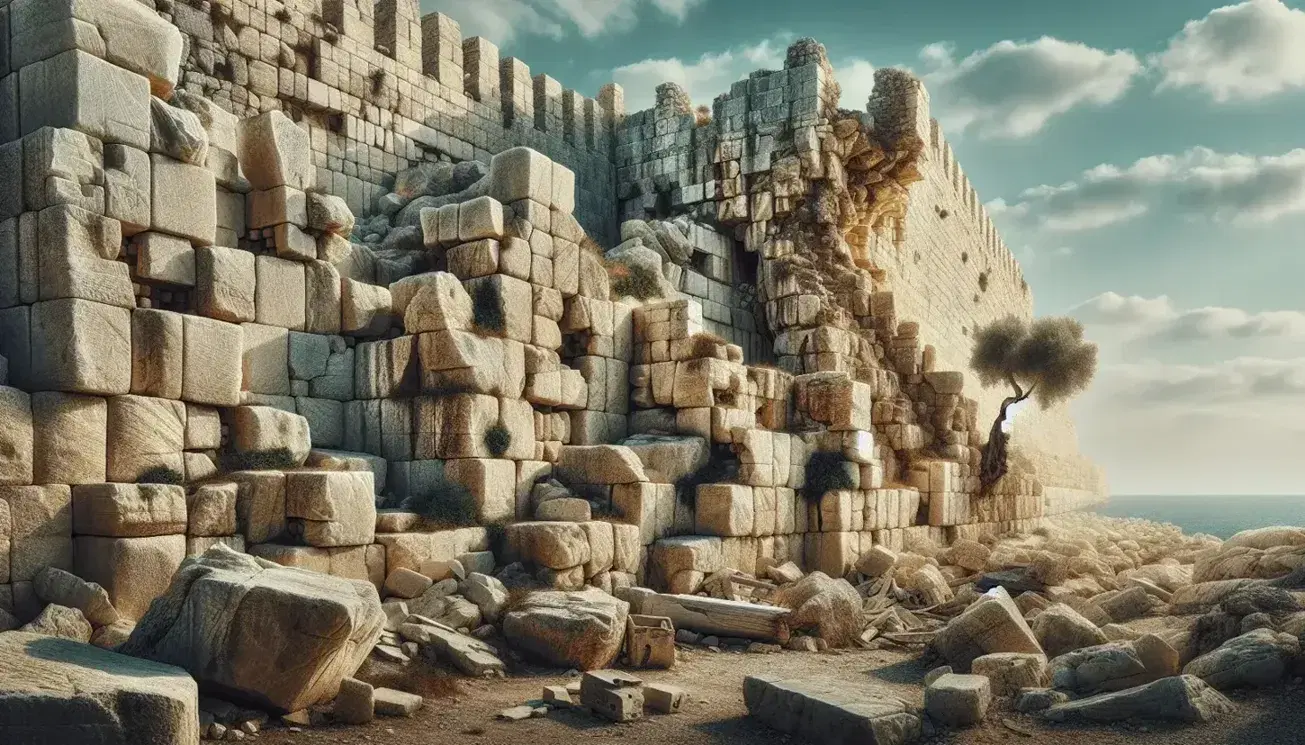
(383, 88)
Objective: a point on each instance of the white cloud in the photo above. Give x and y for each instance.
(1240, 381)
(1012, 89)
(1201, 182)
(677, 9)
(856, 77)
(502, 21)
(705, 78)
(1238, 52)
(1157, 320)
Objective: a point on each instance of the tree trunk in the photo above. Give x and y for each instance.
(993, 466)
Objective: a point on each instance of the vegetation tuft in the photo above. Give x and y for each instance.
(264, 460)
(636, 281)
(722, 467)
(161, 475)
(826, 472)
(445, 504)
(282, 15)
(983, 280)
(702, 116)
(487, 307)
(497, 440)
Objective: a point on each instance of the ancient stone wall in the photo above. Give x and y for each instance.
(381, 89)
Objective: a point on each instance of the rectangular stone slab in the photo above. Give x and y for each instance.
(59, 691)
(831, 712)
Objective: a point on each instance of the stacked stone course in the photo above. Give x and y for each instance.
(198, 348)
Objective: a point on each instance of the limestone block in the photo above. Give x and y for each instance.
(59, 166)
(564, 510)
(602, 549)
(364, 308)
(385, 369)
(327, 213)
(260, 505)
(291, 242)
(670, 556)
(280, 293)
(725, 510)
(262, 429)
(144, 434)
(127, 188)
(627, 549)
(331, 508)
(184, 200)
(490, 481)
(211, 509)
(476, 259)
(265, 359)
(164, 258)
(432, 302)
(1010, 672)
(134, 571)
(225, 282)
(16, 437)
(40, 531)
(129, 510)
(413, 550)
(177, 133)
(70, 438)
(274, 152)
(958, 700)
(77, 257)
(563, 191)
(157, 353)
(325, 420)
(273, 207)
(821, 710)
(125, 34)
(455, 359)
(75, 90)
(213, 362)
(322, 302)
(599, 464)
(521, 173)
(198, 545)
(480, 218)
(991, 624)
(553, 545)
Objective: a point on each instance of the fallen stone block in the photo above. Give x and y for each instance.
(355, 703)
(1182, 698)
(991, 624)
(829, 607)
(827, 711)
(1256, 659)
(1115, 665)
(581, 630)
(62, 622)
(1061, 629)
(613, 695)
(133, 571)
(1011, 672)
(955, 700)
(663, 698)
(468, 654)
(391, 703)
(57, 691)
(58, 587)
(279, 637)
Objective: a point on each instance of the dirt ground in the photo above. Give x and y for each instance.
(716, 713)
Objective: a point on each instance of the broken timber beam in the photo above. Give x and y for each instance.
(721, 617)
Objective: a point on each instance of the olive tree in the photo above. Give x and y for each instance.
(1046, 359)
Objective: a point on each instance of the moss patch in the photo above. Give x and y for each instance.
(487, 307)
(497, 440)
(636, 281)
(445, 504)
(266, 460)
(722, 467)
(161, 475)
(826, 472)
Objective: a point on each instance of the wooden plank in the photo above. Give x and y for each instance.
(721, 617)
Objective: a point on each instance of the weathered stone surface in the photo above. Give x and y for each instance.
(1258, 658)
(355, 704)
(580, 630)
(211, 509)
(991, 624)
(212, 361)
(488, 593)
(16, 437)
(125, 34)
(70, 444)
(40, 529)
(392, 703)
(1009, 672)
(225, 280)
(1114, 666)
(283, 638)
(958, 700)
(129, 510)
(263, 429)
(134, 571)
(81, 347)
(549, 544)
(1183, 698)
(274, 152)
(829, 607)
(331, 508)
(59, 587)
(827, 711)
(76, 90)
(146, 436)
(60, 691)
(1060, 629)
(62, 622)
(599, 464)
(468, 654)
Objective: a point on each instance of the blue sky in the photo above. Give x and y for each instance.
(1145, 161)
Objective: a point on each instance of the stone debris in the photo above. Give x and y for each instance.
(958, 700)
(391, 703)
(830, 711)
(1257, 658)
(582, 630)
(1182, 698)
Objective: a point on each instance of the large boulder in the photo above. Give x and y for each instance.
(991, 624)
(1183, 698)
(274, 636)
(1062, 629)
(829, 607)
(1114, 666)
(58, 587)
(1258, 658)
(60, 692)
(582, 630)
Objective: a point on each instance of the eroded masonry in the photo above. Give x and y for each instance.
(331, 285)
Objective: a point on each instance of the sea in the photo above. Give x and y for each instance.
(1217, 515)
